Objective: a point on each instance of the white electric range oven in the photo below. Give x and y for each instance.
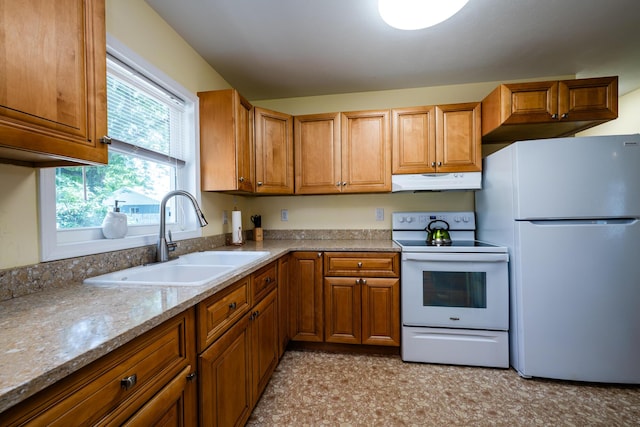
(455, 297)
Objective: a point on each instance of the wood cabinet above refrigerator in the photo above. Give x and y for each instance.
(548, 109)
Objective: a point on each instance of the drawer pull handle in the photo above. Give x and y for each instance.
(268, 279)
(128, 382)
(232, 306)
(359, 264)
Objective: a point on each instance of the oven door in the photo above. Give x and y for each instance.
(455, 290)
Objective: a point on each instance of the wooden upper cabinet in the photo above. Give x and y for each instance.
(317, 153)
(53, 103)
(414, 140)
(366, 151)
(226, 142)
(548, 109)
(458, 140)
(274, 152)
(443, 138)
(343, 152)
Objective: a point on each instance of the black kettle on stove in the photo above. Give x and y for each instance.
(438, 236)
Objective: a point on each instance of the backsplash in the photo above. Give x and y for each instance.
(19, 281)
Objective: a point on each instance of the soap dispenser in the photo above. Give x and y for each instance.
(114, 225)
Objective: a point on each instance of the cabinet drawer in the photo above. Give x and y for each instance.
(361, 264)
(220, 311)
(264, 281)
(97, 393)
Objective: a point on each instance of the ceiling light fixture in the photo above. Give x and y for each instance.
(418, 14)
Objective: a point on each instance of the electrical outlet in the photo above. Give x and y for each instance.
(225, 218)
(284, 215)
(379, 214)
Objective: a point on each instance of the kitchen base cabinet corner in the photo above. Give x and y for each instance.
(235, 368)
(148, 381)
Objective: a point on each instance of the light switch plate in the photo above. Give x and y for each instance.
(284, 215)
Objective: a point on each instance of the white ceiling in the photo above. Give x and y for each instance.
(271, 49)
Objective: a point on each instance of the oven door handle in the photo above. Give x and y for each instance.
(455, 257)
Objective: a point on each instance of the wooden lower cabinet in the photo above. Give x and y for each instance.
(305, 297)
(362, 298)
(167, 407)
(225, 382)
(283, 303)
(148, 381)
(362, 310)
(236, 367)
(342, 302)
(264, 343)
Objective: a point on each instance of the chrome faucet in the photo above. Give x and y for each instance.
(164, 247)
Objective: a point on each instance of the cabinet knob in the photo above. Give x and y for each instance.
(565, 115)
(241, 179)
(338, 184)
(268, 279)
(259, 182)
(128, 382)
(359, 264)
(191, 376)
(344, 183)
(232, 306)
(319, 254)
(106, 139)
(439, 163)
(554, 116)
(433, 164)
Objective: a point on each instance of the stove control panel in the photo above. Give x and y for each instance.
(420, 220)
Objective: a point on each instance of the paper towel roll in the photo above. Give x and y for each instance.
(236, 227)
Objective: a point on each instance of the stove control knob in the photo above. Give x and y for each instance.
(466, 219)
(409, 219)
(401, 219)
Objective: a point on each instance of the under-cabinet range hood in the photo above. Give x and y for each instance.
(437, 181)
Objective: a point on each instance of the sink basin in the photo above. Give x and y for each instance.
(193, 269)
(165, 274)
(234, 258)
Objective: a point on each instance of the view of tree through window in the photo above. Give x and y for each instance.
(140, 116)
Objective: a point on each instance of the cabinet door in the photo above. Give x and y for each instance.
(274, 152)
(588, 99)
(226, 141)
(96, 394)
(458, 140)
(342, 310)
(264, 341)
(306, 297)
(283, 303)
(381, 312)
(174, 405)
(225, 378)
(414, 140)
(366, 151)
(317, 154)
(53, 80)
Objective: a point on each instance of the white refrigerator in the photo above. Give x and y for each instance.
(568, 209)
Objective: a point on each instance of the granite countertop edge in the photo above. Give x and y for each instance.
(49, 335)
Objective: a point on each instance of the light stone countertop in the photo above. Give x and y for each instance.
(48, 335)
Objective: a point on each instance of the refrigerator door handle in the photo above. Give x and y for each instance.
(594, 221)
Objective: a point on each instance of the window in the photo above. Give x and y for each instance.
(152, 122)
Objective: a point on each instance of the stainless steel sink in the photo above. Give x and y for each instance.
(195, 269)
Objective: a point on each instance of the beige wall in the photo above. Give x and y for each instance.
(137, 26)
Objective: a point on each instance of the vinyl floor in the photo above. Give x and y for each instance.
(326, 389)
